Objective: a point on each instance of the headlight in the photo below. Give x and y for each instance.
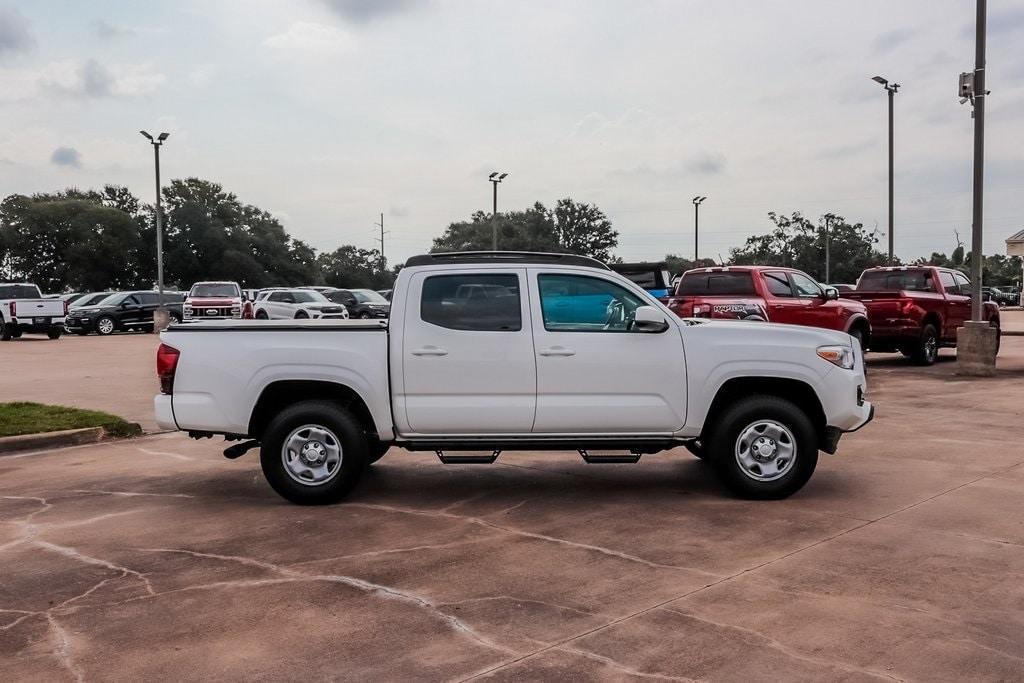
(837, 355)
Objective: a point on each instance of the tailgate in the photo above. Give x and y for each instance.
(40, 308)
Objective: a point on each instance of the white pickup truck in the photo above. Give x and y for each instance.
(562, 354)
(23, 309)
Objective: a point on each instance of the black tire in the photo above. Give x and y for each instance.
(742, 418)
(351, 440)
(376, 450)
(16, 333)
(173, 317)
(301, 315)
(54, 334)
(100, 326)
(364, 316)
(926, 351)
(262, 315)
(859, 334)
(5, 331)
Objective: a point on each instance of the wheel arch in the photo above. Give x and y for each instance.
(859, 321)
(799, 392)
(282, 393)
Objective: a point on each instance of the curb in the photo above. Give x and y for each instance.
(61, 439)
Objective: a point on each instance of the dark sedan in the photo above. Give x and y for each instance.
(122, 311)
(361, 303)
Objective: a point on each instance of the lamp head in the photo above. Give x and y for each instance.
(879, 79)
(491, 177)
(146, 135)
(163, 136)
(502, 176)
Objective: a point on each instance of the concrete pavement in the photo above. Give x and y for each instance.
(902, 559)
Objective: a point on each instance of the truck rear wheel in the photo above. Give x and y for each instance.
(764, 447)
(54, 333)
(927, 349)
(313, 453)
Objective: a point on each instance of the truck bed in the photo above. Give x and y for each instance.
(226, 366)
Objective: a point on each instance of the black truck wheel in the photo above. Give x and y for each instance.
(313, 453)
(926, 351)
(764, 447)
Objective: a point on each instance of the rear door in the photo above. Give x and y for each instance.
(131, 310)
(596, 375)
(468, 361)
(783, 304)
(148, 303)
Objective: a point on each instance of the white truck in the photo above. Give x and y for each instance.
(565, 355)
(23, 309)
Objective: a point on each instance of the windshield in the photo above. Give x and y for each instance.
(896, 280)
(717, 283)
(305, 296)
(19, 292)
(368, 296)
(214, 289)
(112, 300)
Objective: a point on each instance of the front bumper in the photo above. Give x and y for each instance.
(830, 440)
(80, 324)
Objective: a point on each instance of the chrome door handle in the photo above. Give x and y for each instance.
(557, 351)
(430, 351)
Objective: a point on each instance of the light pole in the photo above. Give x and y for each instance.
(697, 201)
(495, 178)
(890, 88)
(160, 317)
(383, 261)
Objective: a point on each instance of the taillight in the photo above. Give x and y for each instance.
(166, 365)
(65, 307)
(14, 308)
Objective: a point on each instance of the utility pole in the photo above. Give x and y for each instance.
(697, 201)
(495, 178)
(828, 248)
(383, 260)
(979, 158)
(890, 88)
(160, 317)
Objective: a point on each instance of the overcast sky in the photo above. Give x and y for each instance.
(327, 112)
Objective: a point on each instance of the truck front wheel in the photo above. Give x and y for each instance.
(313, 453)
(764, 447)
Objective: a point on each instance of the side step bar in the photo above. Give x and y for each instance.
(468, 459)
(620, 459)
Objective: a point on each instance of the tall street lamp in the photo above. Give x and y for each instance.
(890, 88)
(495, 178)
(161, 316)
(697, 201)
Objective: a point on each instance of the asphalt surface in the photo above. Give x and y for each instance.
(902, 559)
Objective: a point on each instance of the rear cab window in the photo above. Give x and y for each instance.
(717, 283)
(19, 292)
(896, 280)
(481, 302)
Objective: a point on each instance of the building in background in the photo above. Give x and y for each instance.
(1015, 244)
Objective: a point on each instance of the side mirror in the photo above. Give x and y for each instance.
(649, 319)
(831, 293)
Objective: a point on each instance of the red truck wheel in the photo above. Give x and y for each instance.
(927, 349)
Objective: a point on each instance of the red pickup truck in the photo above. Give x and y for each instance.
(778, 295)
(917, 309)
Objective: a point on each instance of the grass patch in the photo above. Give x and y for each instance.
(22, 417)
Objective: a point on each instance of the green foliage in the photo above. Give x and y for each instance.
(34, 418)
(679, 264)
(570, 227)
(796, 242)
(353, 268)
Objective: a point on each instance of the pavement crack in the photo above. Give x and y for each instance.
(513, 598)
(395, 551)
(785, 649)
(68, 551)
(129, 494)
(167, 454)
(542, 537)
(360, 584)
(62, 648)
(623, 668)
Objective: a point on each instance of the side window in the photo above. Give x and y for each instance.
(274, 296)
(778, 284)
(805, 286)
(963, 283)
(131, 300)
(147, 298)
(948, 283)
(578, 303)
(474, 301)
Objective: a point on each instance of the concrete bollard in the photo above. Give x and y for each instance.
(976, 349)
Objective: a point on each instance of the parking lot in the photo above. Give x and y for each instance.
(902, 559)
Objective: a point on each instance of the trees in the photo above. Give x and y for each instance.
(570, 227)
(796, 242)
(350, 267)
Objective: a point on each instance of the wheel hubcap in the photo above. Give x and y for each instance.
(930, 347)
(765, 450)
(311, 455)
(106, 326)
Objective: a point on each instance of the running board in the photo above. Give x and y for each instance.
(468, 459)
(620, 459)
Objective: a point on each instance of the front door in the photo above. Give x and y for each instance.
(595, 372)
(468, 362)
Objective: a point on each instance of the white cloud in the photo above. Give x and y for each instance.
(87, 79)
(311, 37)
